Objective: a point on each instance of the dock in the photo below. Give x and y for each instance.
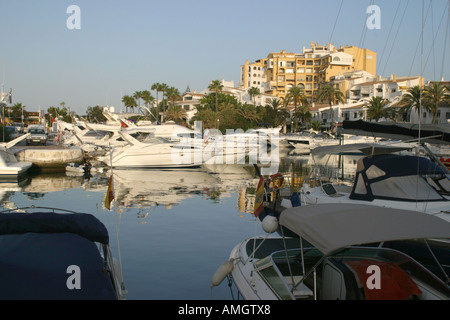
(50, 156)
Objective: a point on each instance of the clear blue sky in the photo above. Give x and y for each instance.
(126, 46)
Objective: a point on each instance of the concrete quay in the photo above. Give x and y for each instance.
(50, 156)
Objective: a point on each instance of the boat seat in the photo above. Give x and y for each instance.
(302, 291)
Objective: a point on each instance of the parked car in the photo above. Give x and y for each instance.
(19, 126)
(8, 133)
(38, 135)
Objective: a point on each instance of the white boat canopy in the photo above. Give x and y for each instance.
(330, 227)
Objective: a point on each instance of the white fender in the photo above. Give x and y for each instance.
(224, 269)
(270, 224)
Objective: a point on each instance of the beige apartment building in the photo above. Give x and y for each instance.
(280, 71)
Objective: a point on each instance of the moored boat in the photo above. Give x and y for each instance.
(325, 250)
(53, 255)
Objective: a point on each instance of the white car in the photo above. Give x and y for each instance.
(38, 135)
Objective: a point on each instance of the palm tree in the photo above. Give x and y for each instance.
(207, 117)
(157, 87)
(413, 100)
(163, 88)
(376, 108)
(129, 101)
(216, 86)
(18, 111)
(175, 113)
(173, 94)
(248, 112)
(434, 94)
(148, 100)
(332, 95)
(296, 95)
(275, 103)
(254, 92)
(138, 95)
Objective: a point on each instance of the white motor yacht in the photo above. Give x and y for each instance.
(150, 152)
(10, 166)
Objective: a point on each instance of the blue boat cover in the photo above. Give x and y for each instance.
(38, 264)
(392, 165)
(83, 224)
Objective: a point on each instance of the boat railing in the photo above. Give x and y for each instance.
(282, 270)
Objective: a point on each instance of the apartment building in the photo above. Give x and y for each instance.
(359, 87)
(307, 70)
(253, 75)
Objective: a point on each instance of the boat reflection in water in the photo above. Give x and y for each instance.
(147, 188)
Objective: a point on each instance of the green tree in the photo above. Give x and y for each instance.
(315, 125)
(17, 112)
(173, 94)
(296, 96)
(57, 112)
(138, 95)
(413, 100)
(228, 118)
(129, 102)
(376, 108)
(217, 87)
(175, 113)
(95, 114)
(275, 114)
(209, 101)
(207, 117)
(254, 92)
(163, 88)
(157, 87)
(332, 95)
(433, 95)
(249, 115)
(148, 101)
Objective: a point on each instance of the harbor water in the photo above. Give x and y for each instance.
(169, 229)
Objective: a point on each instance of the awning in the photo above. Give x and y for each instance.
(366, 148)
(333, 226)
(432, 133)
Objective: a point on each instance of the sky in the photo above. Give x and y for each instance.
(126, 46)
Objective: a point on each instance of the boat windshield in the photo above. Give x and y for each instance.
(407, 178)
(149, 138)
(282, 267)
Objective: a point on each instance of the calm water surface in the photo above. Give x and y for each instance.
(171, 230)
